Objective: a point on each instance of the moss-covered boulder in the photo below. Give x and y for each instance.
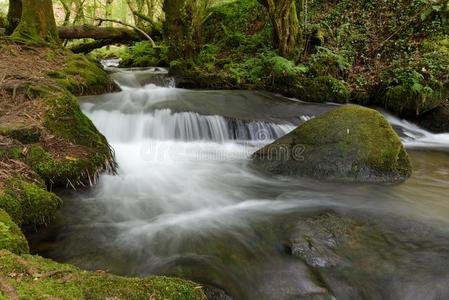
(11, 237)
(28, 203)
(33, 277)
(349, 143)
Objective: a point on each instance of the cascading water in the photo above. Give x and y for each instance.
(186, 202)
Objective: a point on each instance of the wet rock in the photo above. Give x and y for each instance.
(436, 120)
(372, 256)
(315, 239)
(290, 281)
(349, 143)
(213, 293)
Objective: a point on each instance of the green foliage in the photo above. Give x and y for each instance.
(232, 19)
(436, 7)
(410, 93)
(322, 89)
(108, 52)
(28, 203)
(325, 62)
(142, 54)
(11, 237)
(3, 22)
(49, 279)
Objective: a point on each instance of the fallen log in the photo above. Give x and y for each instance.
(97, 33)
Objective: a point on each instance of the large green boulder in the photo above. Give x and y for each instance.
(349, 143)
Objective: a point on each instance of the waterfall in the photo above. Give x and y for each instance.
(163, 124)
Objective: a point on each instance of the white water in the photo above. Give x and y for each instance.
(415, 137)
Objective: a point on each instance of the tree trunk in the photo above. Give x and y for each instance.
(285, 23)
(182, 27)
(14, 15)
(177, 29)
(37, 24)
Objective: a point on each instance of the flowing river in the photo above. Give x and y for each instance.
(186, 201)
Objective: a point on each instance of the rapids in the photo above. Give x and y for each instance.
(186, 202)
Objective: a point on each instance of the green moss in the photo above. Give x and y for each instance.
(68, 171)
(349, 143)
(52, 280)
(327, 63)
(11, 237)
(66, 120)
(81, 76)
(28, 203)
(322, 89)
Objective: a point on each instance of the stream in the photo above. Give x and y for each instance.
(186, 201)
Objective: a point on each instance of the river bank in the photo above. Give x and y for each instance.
(46, 142)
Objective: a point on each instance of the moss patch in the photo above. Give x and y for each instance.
(28, 203)
(11, 237)
(38, 278)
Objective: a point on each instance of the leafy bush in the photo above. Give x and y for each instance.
(326, 62)
(142, 54)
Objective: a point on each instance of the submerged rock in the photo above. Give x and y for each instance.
(349, 143)
(373, 256)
